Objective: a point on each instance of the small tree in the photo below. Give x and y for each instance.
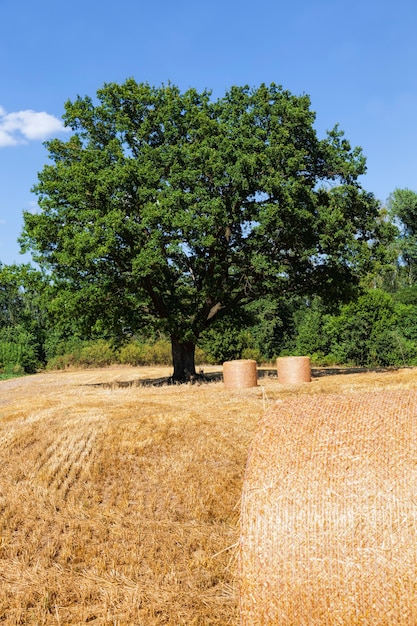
(167, 208)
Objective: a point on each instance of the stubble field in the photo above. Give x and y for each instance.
(119, 500)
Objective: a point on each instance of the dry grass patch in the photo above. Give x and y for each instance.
(121, 505)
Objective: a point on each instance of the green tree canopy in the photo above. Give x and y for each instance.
(402, 205)
(172, 208)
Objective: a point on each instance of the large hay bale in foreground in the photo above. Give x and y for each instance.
(329, 513)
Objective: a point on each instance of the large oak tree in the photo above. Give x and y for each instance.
(173, 208)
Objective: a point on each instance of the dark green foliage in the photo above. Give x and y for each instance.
(165, 209)
(402, 205)
(22, 320)
(272, 325)
(309, 337)
(360, 333)
(407, 295)
(18, 351)
(226, 342)
(407, 321)
(374, 330)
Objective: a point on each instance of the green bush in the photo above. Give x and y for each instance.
(252, 353)
(224, 342)
(374, 330)
(359, 335)
(309, 336)
(63, 353)
(131, 354)
(78, 353)
(324, 360)
(61, 362)
(18, 351)
(160, 352)
(143, 353)
(201, 357)
(98, 353)
(157, 352)
(101, 353)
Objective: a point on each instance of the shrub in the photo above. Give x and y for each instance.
(309, 337)
(99, 353)
(160, 352)
(374, 330)
(78, 353)
(360, 333)
(252, 353)
(156, 352)
(201, 357)
(131, 354)
(61, 362)
(144, 353)
(225, 342)
(18, 351)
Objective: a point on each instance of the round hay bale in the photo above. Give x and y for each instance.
(240, 374)
(294, 369)
(329, 513)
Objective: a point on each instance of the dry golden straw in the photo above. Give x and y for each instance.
(294, 369)
(118, 498)
(240, 374)
(329, 513)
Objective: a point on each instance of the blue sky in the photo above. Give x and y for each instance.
(357, 61)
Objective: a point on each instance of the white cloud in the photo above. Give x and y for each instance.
(28, 125)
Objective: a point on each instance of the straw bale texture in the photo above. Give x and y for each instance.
(294, 369)
(240, 374)
(329, 513)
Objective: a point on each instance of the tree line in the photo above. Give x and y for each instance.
(208, 229)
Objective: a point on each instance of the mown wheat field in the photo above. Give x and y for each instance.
(119, 503)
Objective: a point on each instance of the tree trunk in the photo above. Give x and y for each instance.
(183, 360)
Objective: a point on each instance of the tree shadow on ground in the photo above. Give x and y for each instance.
(198, 379)
(319, 372)
(335, 371)
(204, 378)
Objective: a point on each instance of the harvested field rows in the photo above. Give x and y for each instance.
(119, 503)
